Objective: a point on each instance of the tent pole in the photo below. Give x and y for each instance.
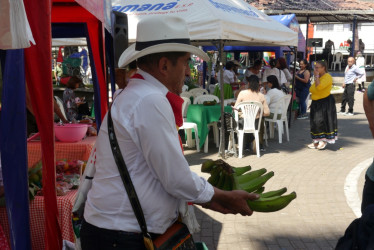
(354, 30)
(306, 40)
(293, 84)
(222, 139)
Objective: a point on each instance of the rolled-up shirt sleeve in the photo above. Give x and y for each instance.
(155, 126)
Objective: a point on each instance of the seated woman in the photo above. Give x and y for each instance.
(253, 94)
(274, 94)
(71, 103)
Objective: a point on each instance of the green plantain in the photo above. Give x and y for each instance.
(274, 193)
(250, 176)
(241, 170)
(271, 204)
(207, 166)
(221, 181)
(229, 181)
(214, 177)
(260, 190)
(255, 183)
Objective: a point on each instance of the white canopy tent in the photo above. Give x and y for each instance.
(217, 22)
(229, 20)
(15, 32)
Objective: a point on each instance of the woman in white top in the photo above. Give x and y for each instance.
(274, 71)
(274, 94)
(282, 66)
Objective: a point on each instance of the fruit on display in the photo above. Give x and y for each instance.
(67, 177)
(227, 177)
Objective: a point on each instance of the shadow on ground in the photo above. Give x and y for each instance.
(211, 231)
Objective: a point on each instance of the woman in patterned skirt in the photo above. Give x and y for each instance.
(323, 119)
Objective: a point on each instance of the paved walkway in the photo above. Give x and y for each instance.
(319, 215)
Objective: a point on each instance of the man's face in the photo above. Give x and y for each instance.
(177, 74)
(351, 61)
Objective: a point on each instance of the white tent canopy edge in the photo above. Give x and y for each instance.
(235, 21)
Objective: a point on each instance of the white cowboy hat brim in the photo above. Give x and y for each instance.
(130, 54)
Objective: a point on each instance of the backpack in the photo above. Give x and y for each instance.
(229, 122)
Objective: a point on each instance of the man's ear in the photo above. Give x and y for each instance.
(163, 66)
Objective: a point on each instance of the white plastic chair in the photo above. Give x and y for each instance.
(203, 98)
(188, 126)
(280, 109)
(60, 105)
(249, 110)
(184, 88)
(198, 91)
(186, 94)
(337, 59)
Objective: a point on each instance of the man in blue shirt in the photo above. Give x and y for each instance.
(352, 73)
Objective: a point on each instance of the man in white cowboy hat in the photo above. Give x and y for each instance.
(145, 115)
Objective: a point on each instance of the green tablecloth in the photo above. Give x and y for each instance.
(227, 94)
(202, 115)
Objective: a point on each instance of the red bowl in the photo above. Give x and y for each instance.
(70, 132)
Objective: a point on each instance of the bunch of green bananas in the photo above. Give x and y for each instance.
(227, 177)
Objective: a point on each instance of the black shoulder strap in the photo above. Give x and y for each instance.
(125, 176)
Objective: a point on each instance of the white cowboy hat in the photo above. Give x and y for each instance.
(157, 34)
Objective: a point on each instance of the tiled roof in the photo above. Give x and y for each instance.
(312, 5)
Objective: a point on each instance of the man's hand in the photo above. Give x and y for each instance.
(231, 202)
(369, 111)
(343, 86)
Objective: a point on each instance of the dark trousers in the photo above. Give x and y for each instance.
(302, 94)
(95, 238)
(348, 97)
(367, 194)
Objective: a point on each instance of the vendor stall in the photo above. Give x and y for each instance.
(34, 66)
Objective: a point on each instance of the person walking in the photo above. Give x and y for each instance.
(302, 85)
(323, 119)
(360, 62)
(145, 115)
(352, 73)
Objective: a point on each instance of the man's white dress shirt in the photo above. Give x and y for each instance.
(145, 127)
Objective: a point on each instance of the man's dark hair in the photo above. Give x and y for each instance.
(254, 83)
(73, 81)
(133, 65)
(229, 65)
(154, 59)
(257, 63)
(274, 81)
(273, 62)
